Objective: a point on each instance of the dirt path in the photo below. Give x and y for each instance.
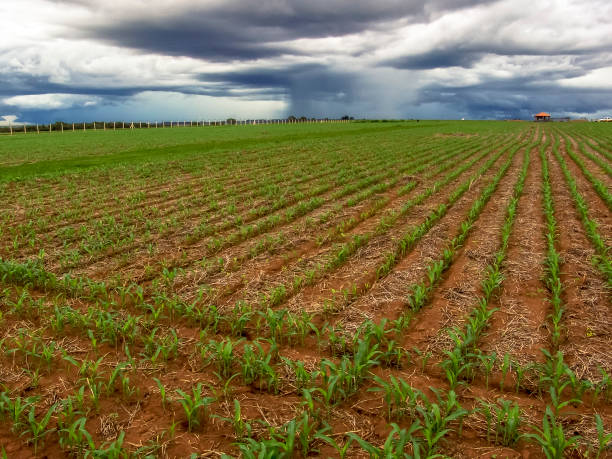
(588, 330)
(458, 293)
(519, 326)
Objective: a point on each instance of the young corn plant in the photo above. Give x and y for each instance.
(222, 353)
(435, 420)
(111, 450)
(195, 406)
(337, 338)
(257, 369)
(274, 320)
(302, 378)
(39, 428)
(400, 397)
(95, 390)
(75, 438)
(240, 317)
(301, 326)
(395, 444)
(242, 428)
(552, 438)
(508, 422)
(16, 409)
(340, 448)
(604, 387)
(456, 367)
(298, 435)
(115, 376)
(408, 241)
(604, 439)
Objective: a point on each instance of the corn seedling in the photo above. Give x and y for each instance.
(195, 406)
(552, 438)
(222, 353)
(395, 444)
(74, 437)
(508, 421)
(38, 429)
(241, 427)
(400, 397)
(604, 439)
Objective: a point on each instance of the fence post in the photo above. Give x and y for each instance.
(72, 127)
(49, 128)
(62, 125)
(37, 130)
(104, 125)
(83, 126)
(25, 131)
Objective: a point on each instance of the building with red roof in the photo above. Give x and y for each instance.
(542, 116)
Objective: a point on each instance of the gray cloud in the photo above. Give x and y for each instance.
(308, 86)
(514, 99)
(437, 58)
(232, 31)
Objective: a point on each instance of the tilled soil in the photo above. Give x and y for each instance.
(158, 334)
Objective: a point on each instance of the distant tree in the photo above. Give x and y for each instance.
(230, 121)
(291, 118)
(303, 118)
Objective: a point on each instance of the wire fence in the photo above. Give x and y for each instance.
(60, 127)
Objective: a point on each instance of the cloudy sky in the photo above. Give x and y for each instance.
(187, 59)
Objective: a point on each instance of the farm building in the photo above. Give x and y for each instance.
(542, 116)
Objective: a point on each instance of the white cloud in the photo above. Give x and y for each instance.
(51, 101)
(599, 78)
(8, 120)
(48, 52)
(176, 106)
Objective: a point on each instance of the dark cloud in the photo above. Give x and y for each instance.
(464, 55)
(260, 61)
(253, 31)
(258, 77)
(26, 84)
(437, 58)
(307, 86)
(514, 98)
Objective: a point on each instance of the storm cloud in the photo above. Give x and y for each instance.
(61, 59)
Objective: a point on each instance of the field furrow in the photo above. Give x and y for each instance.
(432, 288)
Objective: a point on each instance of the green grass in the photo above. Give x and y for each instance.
(24, 156)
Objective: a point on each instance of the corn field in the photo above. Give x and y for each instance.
(382, 290)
